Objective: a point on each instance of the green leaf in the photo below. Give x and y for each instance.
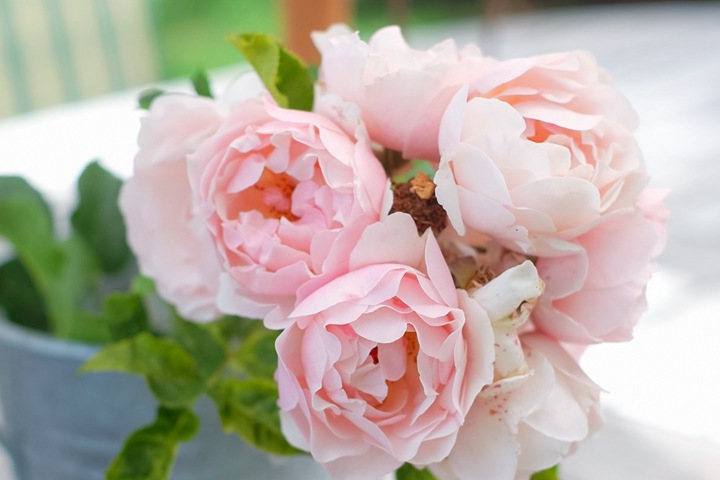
(149, 453)
(232, 328)
(69, 294)
(125, 314)
(201, 84)
(147, 97)
(249, 409)
(256, 355)
(13, 186)
(285, 76)
(25, 221)
(62, 272)
(97, 217)
(549, 474)
(19, 297)
(409, 472)
(204, 346)
(171, 372)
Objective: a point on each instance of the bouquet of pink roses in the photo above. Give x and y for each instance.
(430, 237)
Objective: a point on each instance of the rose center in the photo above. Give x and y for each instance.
(271, 195)
(417, 198)
(412, 347)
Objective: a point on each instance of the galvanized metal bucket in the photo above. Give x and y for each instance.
(59, 425)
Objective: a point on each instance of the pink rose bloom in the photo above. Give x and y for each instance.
(567, 99)
(167, 235)
(402, 92)
(380, 365)
(597, 293)
(491, 180)
(528, 421)
(276, 188)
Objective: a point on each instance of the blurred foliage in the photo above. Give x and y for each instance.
(191, 33)
(57, 283)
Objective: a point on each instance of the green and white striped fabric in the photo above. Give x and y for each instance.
(54, 51)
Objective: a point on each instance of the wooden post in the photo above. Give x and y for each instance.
(398, 11)
(300, 17)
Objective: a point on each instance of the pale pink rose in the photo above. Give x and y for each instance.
(402, 92)
(597, 293)
(526, 422)
(491, 180)
(170, 240)
(380, 365)
(277, 187)
(567, 99)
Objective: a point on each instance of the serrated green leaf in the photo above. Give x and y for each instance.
(256, 356)
(285, 76)
(19, 297)
(97, 217)
(204, 346)
(125, 314)
(549, 474)
(201, 84)
(409, 472)
(149, 453)
(171, 372)
(249, 409)
(147, 97)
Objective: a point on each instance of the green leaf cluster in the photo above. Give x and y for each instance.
(58, 284)
(232, 360)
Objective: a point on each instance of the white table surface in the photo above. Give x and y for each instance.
(663, 388)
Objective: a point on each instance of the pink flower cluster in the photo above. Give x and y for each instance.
(425, 322)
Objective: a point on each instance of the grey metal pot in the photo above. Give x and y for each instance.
(59, 425)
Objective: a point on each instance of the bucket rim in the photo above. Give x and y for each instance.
(17, 336)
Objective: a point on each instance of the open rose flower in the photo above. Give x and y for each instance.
(567, 99)
(402, 92)
(491, 180)
(526, 422)
(380, 365)
(164, 229)
(276, 187)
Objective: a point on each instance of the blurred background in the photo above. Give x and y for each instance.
(70, 71)
(54, 51)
